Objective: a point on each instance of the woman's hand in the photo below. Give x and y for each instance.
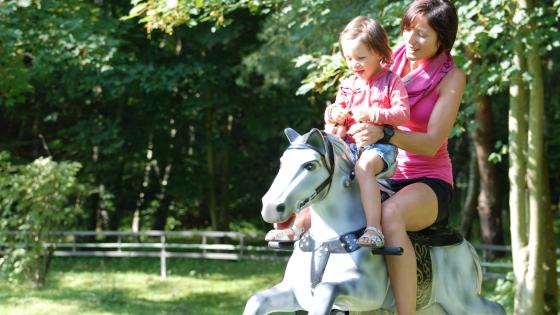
(364, 133)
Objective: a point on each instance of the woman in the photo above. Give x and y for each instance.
(423, 178)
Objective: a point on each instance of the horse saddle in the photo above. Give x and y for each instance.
(422, 241)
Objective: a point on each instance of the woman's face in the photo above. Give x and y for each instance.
(360, 59)
(421, 40)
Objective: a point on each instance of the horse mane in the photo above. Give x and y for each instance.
(342, 153)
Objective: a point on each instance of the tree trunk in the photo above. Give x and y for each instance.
(162, 212)
(534, 278)
(517, 122)
(489, 210)
(92, 208)
(114, 220)
(483, 139)
(225, 175)
(211, 168)
(469, 205)
(224, 188)
(551, 283)
(535, 272)
(145, 183)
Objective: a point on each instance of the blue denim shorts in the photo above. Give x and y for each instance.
(387, 152)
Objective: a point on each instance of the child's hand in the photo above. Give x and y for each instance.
(361, 113)
(339, 131)
(338, 114)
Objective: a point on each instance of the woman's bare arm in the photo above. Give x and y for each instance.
(443, 117)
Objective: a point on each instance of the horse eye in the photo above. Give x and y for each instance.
(309, 166)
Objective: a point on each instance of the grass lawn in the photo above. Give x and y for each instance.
(95, 286)
(133, 286)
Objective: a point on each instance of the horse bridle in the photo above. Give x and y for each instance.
(327, 160)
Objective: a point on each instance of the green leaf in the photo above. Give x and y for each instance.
(303, 89)
(495, 31)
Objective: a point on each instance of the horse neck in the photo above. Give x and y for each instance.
(340, 212)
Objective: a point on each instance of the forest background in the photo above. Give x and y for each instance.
(168, 115)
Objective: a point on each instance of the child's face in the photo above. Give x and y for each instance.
(361, 60)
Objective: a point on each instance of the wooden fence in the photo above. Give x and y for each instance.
(206, 245)
(165, 244)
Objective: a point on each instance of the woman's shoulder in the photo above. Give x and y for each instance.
(454, 79)
(456, 73)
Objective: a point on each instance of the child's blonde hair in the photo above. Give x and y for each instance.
(369, 32)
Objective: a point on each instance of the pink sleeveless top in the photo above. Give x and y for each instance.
(421, 85)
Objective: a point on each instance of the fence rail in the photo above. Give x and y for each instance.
(166, 244)
(205, 245)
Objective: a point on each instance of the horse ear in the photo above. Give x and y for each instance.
(291, 134)
(315, 139)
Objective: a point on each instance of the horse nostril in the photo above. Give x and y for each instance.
(281, 207)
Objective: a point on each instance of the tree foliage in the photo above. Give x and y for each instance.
(36, 199)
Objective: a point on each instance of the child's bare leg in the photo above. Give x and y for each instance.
(369, 164)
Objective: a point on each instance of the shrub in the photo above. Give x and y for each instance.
(36, 201)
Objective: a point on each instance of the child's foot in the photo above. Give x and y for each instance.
(372, 238)
(285, 235)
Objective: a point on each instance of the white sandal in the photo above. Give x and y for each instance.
(376, 241)
(282, 236)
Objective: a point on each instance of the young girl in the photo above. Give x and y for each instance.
(374, 95)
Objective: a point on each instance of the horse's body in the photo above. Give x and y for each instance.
(315, 172)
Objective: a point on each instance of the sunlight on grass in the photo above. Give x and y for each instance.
(132, 286)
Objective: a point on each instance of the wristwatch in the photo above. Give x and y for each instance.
(388, 132)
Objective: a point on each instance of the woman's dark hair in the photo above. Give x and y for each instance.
(442, 17)
(370, 33)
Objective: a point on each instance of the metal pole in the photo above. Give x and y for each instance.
(162, 258)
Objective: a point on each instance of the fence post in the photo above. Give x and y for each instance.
(162, 258)
(241, 245)
(204, 244)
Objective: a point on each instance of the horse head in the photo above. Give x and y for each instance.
(309, 167)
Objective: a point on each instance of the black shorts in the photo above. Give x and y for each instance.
(442, 189)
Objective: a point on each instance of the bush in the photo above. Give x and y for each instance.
(36, 200)
(505, 292)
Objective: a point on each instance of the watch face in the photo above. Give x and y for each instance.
(388, 130)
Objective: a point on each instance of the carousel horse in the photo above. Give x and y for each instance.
(327, 269)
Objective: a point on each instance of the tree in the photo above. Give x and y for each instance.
(528, 245)
(36, 201)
